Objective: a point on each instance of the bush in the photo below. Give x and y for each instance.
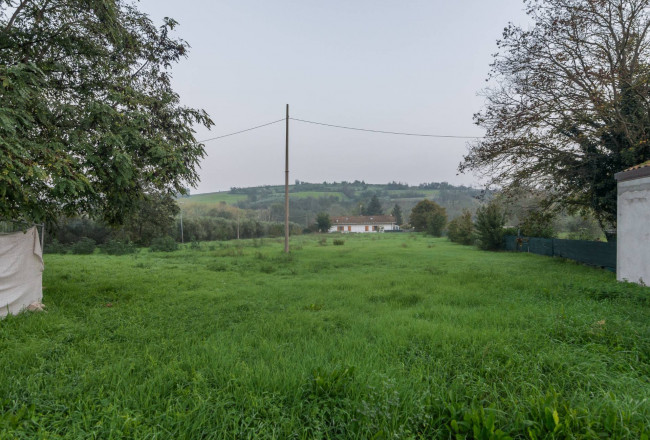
(461, 229)
(538, 224)
(55, 248)
(338, 242)
(85, 246)
(117, 247)
(490, 219)
(163, 244)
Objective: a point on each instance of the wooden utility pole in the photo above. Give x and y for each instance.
(286, 189)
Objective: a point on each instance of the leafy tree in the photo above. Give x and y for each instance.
(374, 207)
(461, 229)
(323, 221)
(397, 213)
(154, 217)
(490, 219)
(437, 222)
(538, 223)
(428, 216)
(568, 107)
(89, 122)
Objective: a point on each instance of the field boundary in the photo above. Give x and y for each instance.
(593, 253)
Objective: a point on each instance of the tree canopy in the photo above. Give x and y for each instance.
(397, 213)
(428, 216)
(323, 221)
(374, 207)
(568, 106)
(89, 122)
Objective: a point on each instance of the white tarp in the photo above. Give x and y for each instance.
(21, 271)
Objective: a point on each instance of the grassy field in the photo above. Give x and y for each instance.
(213, 198)
(387, 336)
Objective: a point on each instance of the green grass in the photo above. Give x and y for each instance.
(316, 194)
(386, 336)
(213, 198)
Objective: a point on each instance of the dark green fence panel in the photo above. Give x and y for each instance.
(594, 253)
(510, 243)
(541, 246)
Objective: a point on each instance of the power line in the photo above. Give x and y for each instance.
(241, 131)
(387, 132)
(343, 127)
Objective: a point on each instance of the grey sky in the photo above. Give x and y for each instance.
(408, 66)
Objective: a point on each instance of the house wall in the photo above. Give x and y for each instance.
(360, 228)
(633, 231)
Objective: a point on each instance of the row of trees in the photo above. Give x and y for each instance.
(568, 105)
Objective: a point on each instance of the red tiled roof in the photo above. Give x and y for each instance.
(363, 220)
(639, 171)
(641, 165)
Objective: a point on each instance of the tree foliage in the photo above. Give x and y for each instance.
(374, 207)
(153, 217)
(490, 219)
(461, 229)
(428, 216)
(397, 213)
(323, 221)
(89, 122)
(568, 106)
(538, 223)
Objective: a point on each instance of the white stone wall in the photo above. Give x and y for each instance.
(361, 228)
(633, 231)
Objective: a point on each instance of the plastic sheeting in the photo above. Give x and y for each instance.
(21, 271)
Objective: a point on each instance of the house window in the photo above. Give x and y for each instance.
(375, 228)
(349, 228)
(366, 228)
(339, 228)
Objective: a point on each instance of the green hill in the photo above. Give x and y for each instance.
(336, 198)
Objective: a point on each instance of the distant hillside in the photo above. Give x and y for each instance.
(336, 198)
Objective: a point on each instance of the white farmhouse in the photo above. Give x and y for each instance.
(633, 224)
(364, 223)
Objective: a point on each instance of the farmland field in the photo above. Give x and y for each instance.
(213, 198)
(385, 336)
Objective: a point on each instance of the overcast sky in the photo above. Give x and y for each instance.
(406, 66)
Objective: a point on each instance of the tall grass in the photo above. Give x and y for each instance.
(389, 336)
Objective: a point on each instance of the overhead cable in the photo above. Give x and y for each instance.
(387, 132)
(343, 127)
(241, 131)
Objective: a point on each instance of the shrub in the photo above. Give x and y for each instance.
(85, 246)
(117, 247)
(461, 229)
(163, 244)
(538, 224)
(338, 242)
(55, 248)
(490, 219)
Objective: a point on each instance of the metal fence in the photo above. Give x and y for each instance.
(593, 253)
